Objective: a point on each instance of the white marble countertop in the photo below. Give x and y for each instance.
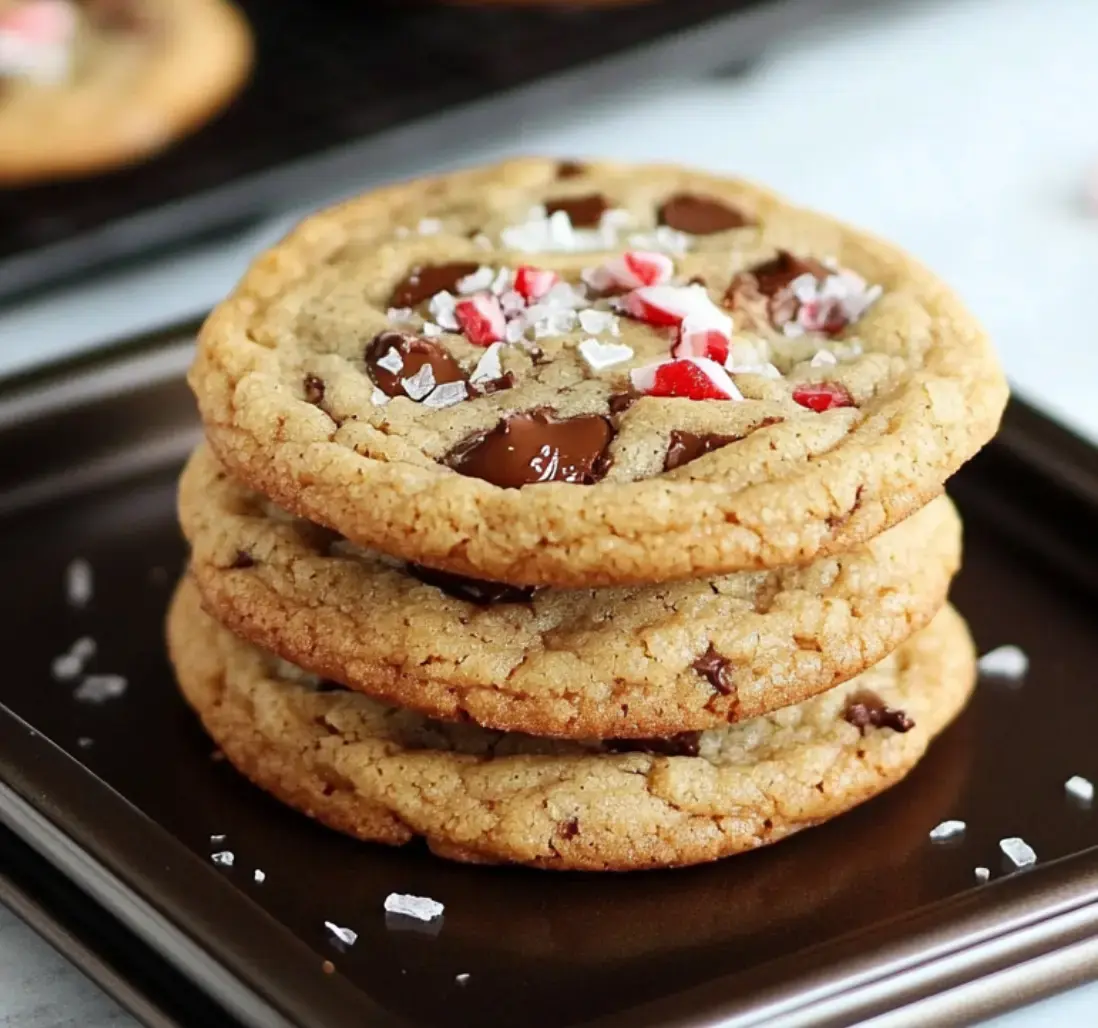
(963, 130)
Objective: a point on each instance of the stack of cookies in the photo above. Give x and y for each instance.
(579, 516)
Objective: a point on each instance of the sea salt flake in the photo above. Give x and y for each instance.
(216, 840)
(259, 877)
(429, 226)
(421, 908)
(391, 360)
(378, 398)
(824, 359)
(100, 688)
(441, 306)
(66, 667)
(1004, 662)
(477, 282)
(79, 584)
(446, 394)
(982, 874)
(461, 979)
(346, 936)
(596, 322)
(604, 355)
(947, 831)
(1080, 788)
(489, 366)
(1018, 851)
(223, 858)
(421, 383)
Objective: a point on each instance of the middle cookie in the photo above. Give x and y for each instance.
(629, 662)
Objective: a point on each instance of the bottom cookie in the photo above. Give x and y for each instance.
(388, 775)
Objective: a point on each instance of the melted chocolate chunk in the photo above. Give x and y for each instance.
(582, 211)
(773, 280)
(619, 403)
(473, 590)
(527, 448)
(568, 829)
(717, 669)
(314, 389)
(685, 744)
(570, 169)
(422, 282)
(414, 353)
(865, 709)
(494, 385)
(700, 215)
(242, 560)
(683, 447)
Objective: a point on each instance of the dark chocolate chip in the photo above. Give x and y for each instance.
(524, 449)
(700, 215)
(772, 276)
(423, 281)
(683, 447)
(568, 829)
(685, 744)
(619, 403)
(717, 669)
(473, 590)
(582, 211)
(243, 559)
(414, 353)
(314, 389)
(570, 169)
(865, 709)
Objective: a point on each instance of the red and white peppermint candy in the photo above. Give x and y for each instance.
(46, 22)
(821, 396)
(637, 268)
(692, 378)
(704, 329)
(481, 319)
(699, 339)
(533, 283)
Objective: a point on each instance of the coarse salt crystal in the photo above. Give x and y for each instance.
(259, 877)
(223, 858)
(1018, 851)
(391, 360)
(604, 355)
(947, 831)
(596, 322)
(1080, 788)
(489, 366)
(445, 394)
(347, 936)
(421, 908)
(79, 584)
(216, 840)
(1004, 662)
(100, 688)
(477, 282)
(982, 874)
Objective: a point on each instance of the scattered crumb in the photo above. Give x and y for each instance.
(70, 665)
(1080, 788)
(79, 584)
(422, 908)
(217, 756)
(328, 967)
(461, 979)
(223, 858)
(100, 688)
(345, 935)
(1004, 662)
(982, 874)
(259, 877)
(947, 831)
(1018, 852)
(217, 839)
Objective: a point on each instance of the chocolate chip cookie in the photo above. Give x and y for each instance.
(389, 775)
(87, 85)
(641, 661)
(544, 373)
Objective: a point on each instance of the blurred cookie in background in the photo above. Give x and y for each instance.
(88, 85)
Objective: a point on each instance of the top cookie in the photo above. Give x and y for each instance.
(547, 373)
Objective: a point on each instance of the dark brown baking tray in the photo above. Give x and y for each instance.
(862, 917)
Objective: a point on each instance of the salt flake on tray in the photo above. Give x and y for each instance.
(947, 831)
(98, 689)
(217, 839)
(79, 584)
(1018, 852)
(347, 936)
(1004, 662)
(419, 908)
(600, 355)
(223, 858)
(258, 876)
(982, 874)
(1080, 788)
(68, 666)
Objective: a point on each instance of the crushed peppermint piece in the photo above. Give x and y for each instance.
(216, 840)
(489, 366)
(982, 874)
(429, 226)
(461, 979)
(390, 360)
(1004, 662)
(554, 233)
(604, 355)
(694, 378)
(446, 394)
(79, 584)
(223, 858)
(947, 831)
(421, 908)
(417, 386)
(636, 268)
(1018, 852)
(441, 306)
(1080, 788)
(664, 238)
(36, 40)
(481, 318)
(477, 282)
(511, 302)
(596, 322)
(533, 283)
(824, 359)
(378, 398)
(503, 282)
(402, 315)
(259, 877)
(100, 688)
(346, 936)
